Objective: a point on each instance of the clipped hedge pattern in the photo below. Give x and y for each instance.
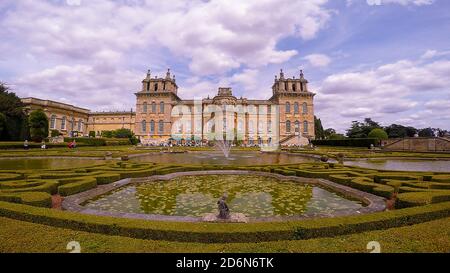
(230, 233)
(425, 187)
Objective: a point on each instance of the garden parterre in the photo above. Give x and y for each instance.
(26, 195)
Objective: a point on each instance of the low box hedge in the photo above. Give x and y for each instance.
(421, 198)
(10, 176)
(76, 187)
(441, 178)
(107, 178)
(230, 233)
(37, 199)
(348, 142)
(47, 186)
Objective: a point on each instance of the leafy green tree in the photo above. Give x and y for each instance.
(318, 128)
(329, 132)
(378, 133)
(335, 136)
(125, 133)
(411, 131)
(426, 132)
(442, 132)
(399, 131)
(91, 133)
(38, 123)
(15, 127)
(362, 129)
(2, 124)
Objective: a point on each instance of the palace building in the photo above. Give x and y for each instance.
(287, 117)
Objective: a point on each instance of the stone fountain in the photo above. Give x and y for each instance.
(224, 146)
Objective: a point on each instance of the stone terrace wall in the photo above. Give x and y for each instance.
(418, 144)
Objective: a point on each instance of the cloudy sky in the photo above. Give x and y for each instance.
(385, 59)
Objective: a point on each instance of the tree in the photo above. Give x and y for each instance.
(15, 127)
(411, 131)
(426, 132)
(335, 136)
(329, 132)
(125, 133)
(378, 133)
(362, 129)
(318, 128)
(2, 124)
(38, 123)
(399, 131)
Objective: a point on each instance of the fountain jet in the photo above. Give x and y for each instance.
(224, 146)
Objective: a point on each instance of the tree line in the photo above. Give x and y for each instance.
(363, 129)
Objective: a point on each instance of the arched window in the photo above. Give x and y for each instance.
(144, 107)
(294, 86)
(152, 126)
(161, 126)
(144, 126)
(288, 126)
(297, 126)
(156, 87)
(161, 107)
(296, 108)
(80, 125)
(153, 107)
(286, 86)
(305, 108)
(63, 123)
(269, 127)
(305, 127)
(288, 107)
(53, 122)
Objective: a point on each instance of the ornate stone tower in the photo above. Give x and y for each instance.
(154, 104)
(296, 108)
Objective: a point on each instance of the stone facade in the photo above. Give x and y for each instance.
(286, 117)
(69, 120)
(109, 121)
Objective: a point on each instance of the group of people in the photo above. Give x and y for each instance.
(71, 145)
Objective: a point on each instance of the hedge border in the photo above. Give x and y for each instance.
(230, 233)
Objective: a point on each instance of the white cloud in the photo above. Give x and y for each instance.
(216, 36)
(401, 2)
(318, 60)
(83, 86)
(390, 93)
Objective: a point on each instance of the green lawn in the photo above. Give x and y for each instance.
(18, 236)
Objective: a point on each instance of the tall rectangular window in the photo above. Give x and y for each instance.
(53, 122)
(160, 126)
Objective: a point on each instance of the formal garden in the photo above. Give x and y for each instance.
(112, 194)
(137, 206)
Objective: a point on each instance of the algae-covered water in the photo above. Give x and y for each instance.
(254, 196)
